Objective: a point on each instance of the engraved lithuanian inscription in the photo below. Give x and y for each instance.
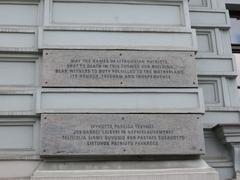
(95, 68)
(121, 134)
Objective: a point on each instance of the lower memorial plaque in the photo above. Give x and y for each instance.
(121, 134)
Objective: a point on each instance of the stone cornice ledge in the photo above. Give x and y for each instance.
(230, 134)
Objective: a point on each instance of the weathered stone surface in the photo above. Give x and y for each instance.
(121, 134)
(95, 68)
(130, 170)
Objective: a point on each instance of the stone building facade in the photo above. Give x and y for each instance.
(199, 30)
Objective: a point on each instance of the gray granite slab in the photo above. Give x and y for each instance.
(102, 68)
(121, 134)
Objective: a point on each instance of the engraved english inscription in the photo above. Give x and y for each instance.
(121, 134)
(82, 68)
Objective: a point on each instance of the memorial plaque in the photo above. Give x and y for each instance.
(121, 134)
(99, 68)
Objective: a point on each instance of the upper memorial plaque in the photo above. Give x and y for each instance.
(101, 68)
